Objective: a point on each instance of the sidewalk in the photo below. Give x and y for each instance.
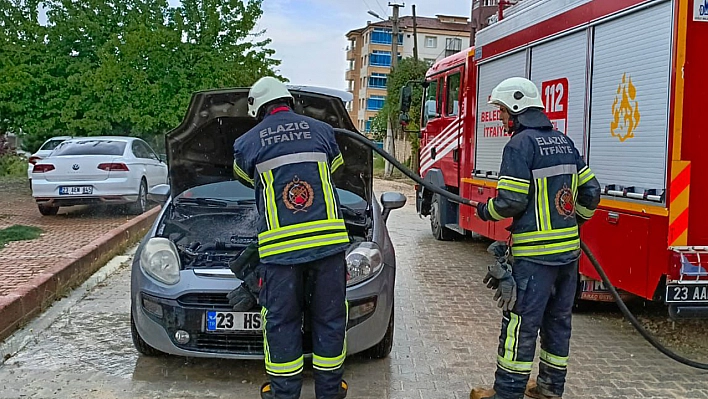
(73, 245)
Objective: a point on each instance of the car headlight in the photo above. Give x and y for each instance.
(363, 261)
(160, 260)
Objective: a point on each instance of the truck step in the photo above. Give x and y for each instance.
(455, 227)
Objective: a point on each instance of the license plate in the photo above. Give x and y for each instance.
(76, 190)
(687, 293)
(233, 321)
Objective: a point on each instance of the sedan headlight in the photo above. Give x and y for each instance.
(160, 260)
(363, 261)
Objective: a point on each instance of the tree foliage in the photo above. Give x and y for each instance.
(121, 67)
(407, 70)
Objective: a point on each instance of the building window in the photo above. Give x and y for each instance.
(383, 36)
(375, 103)
(431, 42)
(380, 58)
(367, 126)
(377, 81)
(453, 46)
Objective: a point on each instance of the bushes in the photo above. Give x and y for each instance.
(11, 164)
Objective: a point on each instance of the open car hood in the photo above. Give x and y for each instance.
(200, 149)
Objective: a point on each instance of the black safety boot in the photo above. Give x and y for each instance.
(533, 391)
(343, 388)
(266, 392)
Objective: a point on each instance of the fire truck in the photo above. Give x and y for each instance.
(627, 80)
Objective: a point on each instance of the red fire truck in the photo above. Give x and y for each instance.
(627, 80)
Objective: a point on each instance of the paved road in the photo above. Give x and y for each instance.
(445, 343)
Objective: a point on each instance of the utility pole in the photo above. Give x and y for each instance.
(390, 145)
(415, 35)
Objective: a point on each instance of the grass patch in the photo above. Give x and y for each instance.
(18, 233)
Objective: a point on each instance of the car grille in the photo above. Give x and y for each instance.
(230, 343)
(209, 300)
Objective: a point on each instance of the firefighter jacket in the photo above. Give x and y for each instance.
(548, 190)
(288, 159)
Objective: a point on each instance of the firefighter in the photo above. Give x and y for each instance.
(289, 158)
(548, 190)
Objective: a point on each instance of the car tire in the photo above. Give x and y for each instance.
(140, 205)
(440, 232)
(383, 348)
(48, 210)
(140, 345)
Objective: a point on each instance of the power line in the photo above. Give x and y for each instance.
(382, 9)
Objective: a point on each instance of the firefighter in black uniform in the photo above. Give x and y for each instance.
(288, 159)
(548, 190)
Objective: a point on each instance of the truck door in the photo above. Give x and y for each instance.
(432, 125)
(449, 147)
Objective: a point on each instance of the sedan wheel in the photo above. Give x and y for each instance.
(141, 345)
(140, 205)
(383, 348)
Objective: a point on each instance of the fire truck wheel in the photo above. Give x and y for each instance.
(437, 226)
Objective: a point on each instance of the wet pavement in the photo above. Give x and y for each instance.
(445, 342)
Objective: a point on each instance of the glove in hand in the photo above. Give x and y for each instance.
(506, 294)
(241, 299)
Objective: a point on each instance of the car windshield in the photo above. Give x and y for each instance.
(90, 147)
(51, 144)
(235, 191)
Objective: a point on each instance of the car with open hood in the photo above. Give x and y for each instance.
(180, 274)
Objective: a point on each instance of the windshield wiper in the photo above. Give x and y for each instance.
(202, 201)
(351, 211)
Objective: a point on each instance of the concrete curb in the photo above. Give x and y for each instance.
(31, 298)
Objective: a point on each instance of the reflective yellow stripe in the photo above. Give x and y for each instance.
(337, 162)
(270, 204)
(585, 175)
(239, 172)
(301, 228)
(327, 191)
(266, 350)
(558, 361)
(547, 249)
(574, 187)
(514, 366)
(532, 236)
(512, 331)
(492, 211)
(584, 212)
(302, 243)
(542, 206)
(512, 185)
(285, 369)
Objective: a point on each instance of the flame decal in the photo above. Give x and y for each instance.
(625, 109)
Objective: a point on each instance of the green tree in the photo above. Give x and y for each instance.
(407, 70)
(126, 67)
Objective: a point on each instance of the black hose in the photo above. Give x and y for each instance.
(414, 176)
(633, 320)
(464, 201)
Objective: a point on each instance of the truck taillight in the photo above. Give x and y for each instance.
(689, 263)
(42, 167)
(34, 159)
(113, 167)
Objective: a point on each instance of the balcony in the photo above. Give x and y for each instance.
(351, 54)
(351, 74)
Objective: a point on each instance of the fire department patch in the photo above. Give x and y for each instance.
(564, 202)
(298, 195)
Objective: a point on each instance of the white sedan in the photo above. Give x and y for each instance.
(97, 170)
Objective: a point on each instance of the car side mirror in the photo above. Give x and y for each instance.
(159, 193)
(406, 99)
(163, 158)
(390, 201)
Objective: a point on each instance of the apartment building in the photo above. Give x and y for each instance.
(369, 56)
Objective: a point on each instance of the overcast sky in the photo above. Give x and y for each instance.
(308, 35)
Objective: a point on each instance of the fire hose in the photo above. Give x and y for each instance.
(465, 201)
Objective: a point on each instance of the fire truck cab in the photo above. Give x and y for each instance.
(626, 80)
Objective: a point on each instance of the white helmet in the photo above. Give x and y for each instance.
(264, 91)
(517, 95)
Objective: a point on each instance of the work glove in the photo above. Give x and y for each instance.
(246, 262)
(241, 299)
(499, 278)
